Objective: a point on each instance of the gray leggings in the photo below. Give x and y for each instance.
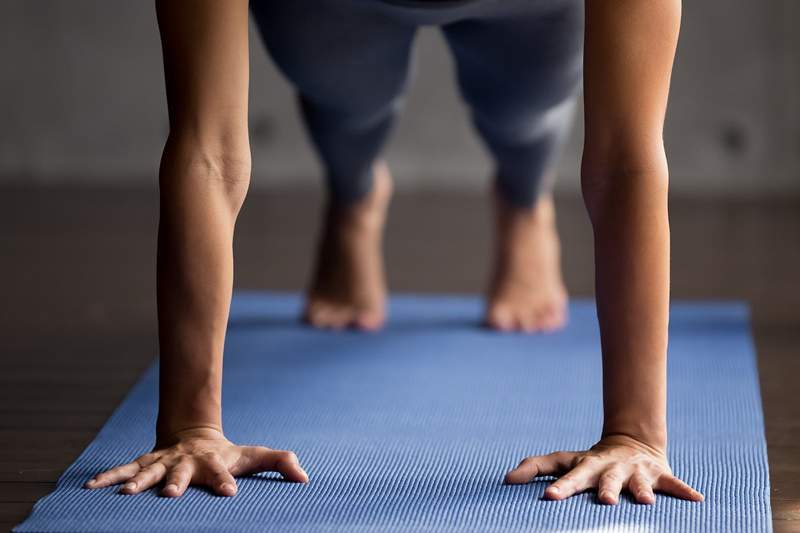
(518, 63)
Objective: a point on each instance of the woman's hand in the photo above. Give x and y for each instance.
(199, 457)
(614, 464)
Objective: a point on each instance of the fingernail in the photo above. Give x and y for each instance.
(91, 482)
(129, 486)
(227, 487)
(171, 488)
(554, 490)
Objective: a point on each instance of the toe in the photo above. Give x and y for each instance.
(370, 320)
(500, 318)
(555, 322)
(311, 313)
(339, 318)
(554, 318)
(528, 321)
(319, 315)
(544, 321)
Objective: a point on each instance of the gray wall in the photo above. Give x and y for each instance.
(81, 100)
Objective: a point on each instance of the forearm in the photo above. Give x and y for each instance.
(204, 175)
(631, 231)
(630, 47)
(195, 276)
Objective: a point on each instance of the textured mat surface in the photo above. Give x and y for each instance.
(412, 429)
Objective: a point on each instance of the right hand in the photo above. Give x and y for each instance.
(200, 456)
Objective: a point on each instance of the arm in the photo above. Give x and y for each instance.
(630, 47)
(204, 176)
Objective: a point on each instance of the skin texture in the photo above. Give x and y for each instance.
(349, 285)
(630, 47)
(526, 292)
(199, 457)
(205, 170)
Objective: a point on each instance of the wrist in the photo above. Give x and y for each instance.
(651, 431)
(188, 399)
(189, 414)
(170, 430)
(165, 439)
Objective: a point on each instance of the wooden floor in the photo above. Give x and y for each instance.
(77, 309)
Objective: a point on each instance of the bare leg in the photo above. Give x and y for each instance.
(350, 66)
(349, 285)
(519, 72)
(526, 291)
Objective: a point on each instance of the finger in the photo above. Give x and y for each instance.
(146, 478)
(113, 476)
(669, 484)
(178, 479)
(216, 476)
(642, 489)
(540, 465)
(610, 485)
(260, 459)
(580, 478)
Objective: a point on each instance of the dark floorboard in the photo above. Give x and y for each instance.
(77, 314)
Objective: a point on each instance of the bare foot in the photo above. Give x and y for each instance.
(527, 292)
(349, 285)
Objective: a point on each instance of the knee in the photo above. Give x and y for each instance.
(345, 113)
(525, 124)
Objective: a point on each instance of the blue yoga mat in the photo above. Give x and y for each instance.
(413, 428)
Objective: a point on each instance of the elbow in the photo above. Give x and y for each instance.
(613, 181)
(222, 168)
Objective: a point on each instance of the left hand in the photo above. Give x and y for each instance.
(616, 463)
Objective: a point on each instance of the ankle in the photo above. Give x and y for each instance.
(373, 204)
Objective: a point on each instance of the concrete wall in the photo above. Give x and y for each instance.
(81, 100)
